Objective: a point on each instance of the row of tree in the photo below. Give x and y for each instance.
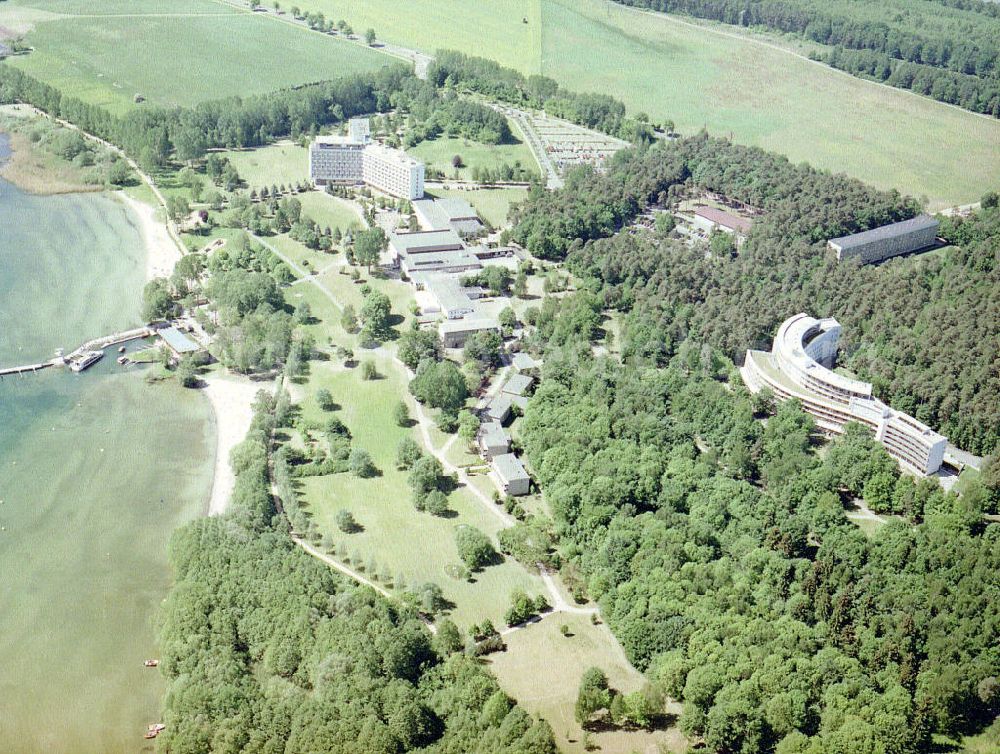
(153, 135)
(484, 76)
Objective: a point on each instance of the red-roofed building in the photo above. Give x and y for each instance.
(710, 218)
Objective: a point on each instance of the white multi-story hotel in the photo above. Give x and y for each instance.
(799, 366)
(356, 159)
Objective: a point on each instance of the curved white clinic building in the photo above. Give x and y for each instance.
(799, 366)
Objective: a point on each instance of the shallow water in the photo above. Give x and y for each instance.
(96, 470)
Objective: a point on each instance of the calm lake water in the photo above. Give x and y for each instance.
(96, 470)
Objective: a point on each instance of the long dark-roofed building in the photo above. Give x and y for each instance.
(887, 241)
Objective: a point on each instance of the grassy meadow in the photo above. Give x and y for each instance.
(542, 670)
(396, 539)
(491, 204)
(282, 162)
(438, 153)
(173, 53)
(735, 85)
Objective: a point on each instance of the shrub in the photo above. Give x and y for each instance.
(361, 464)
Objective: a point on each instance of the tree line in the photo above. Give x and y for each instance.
(486, 77)
(949, 51)
(153, 135)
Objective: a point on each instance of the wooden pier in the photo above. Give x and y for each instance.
(97, 344)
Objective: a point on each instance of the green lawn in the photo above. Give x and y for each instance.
(491, 204)
(174, 53)
(542, 669)
(329, 211)
(438, 154)
(398, 538)
(283, 162)
(699, 75)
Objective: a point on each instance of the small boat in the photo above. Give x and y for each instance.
(121, 349)
(151, 663)
(150, 734)
(123, 360)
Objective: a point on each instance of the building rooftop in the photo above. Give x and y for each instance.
(441, 260)
(468, 325)
(449, 292)
(178, 341)
(493, 434)
(456, 214)
(388, 154)
(509, 467)
(517, 384)
(523, 361)
(920, 222)
(721, 217)
(499, 407)
(423, 241)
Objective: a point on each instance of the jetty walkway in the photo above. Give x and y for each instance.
(97, 344)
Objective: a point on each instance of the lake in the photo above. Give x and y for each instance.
(96, 471)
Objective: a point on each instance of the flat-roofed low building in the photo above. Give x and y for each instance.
(429, 251)
(448, 213)
(712, 218)
(522, 362)
(493, 439)
(799, 365)
(887, 241)
(509, 475)
(518, 384)
(454, 332)
(499, 409)
(453, 300)
(179, 343)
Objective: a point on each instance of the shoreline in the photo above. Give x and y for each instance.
(231, 399)
(161, 251)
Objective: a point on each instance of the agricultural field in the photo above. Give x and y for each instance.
(438, 154)
(542, 670)
(172, 53)
(748, 87)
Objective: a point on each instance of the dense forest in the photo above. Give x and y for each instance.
(948, 50)
(732, 576)
(919, 329)
(267, 650)
(721, 556)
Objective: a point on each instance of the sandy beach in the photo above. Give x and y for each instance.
(232, 399)
(162, 251)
